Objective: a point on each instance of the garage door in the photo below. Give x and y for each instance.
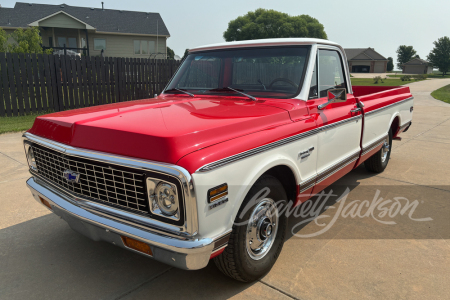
(379, 67)
(414, 69)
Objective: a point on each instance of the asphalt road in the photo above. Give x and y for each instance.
(406, 257)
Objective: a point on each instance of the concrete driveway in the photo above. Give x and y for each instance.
(358, 257)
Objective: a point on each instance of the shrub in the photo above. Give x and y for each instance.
(420, 77)
(376, 79)
(405, 78)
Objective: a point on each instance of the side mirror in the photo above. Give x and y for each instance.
(334, 96)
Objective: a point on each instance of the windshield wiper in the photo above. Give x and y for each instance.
(231, 89)
(175, 89)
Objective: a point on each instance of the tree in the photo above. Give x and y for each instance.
(186, 53)
(268, 23)
(416, 56)
(404, 54)
(170, 53)
(439, 57)
(27, 41)
(390, 64)
(3, 40)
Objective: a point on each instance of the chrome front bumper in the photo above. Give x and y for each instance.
(183, 253)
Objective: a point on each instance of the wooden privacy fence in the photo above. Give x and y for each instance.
(40, 82)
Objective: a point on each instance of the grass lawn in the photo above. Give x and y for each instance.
(21, 123)
(442, 94)
(428, 75)
(387, 82)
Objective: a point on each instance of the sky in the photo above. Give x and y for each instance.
(381, 24)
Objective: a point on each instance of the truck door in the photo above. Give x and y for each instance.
(339, 122)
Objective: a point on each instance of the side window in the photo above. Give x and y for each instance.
(331, 72)
(313, 87)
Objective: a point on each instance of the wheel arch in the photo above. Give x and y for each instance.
(395, 124)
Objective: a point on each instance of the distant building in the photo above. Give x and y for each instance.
(417, 66)
(365, 60)
(91, 31)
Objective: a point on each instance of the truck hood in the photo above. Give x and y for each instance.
(163, 129)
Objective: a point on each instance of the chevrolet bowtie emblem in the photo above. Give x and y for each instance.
(71, 176)
(332, 95)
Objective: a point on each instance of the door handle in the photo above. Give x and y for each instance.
(355, 110)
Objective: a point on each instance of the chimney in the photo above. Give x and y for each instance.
(102, 5)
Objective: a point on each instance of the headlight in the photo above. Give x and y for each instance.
(166, 198)
(30, 157)
(163, 198)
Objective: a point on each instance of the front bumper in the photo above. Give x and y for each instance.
(183, 253)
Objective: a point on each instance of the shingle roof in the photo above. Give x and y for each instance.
(369, 52)
(417, 61)
(107, 20)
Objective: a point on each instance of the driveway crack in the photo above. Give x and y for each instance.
(12, 158)
(143, 283)
(279, 290)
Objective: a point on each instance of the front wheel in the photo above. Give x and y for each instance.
(258, 233)
(379, 161)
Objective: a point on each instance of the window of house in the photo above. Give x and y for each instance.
(99, 44)
(70, 42)
(331, 72)
(143, 47)
(151, 46)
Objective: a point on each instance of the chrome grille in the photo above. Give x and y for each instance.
(111, 184)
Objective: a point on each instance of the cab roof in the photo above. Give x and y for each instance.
(264, 42)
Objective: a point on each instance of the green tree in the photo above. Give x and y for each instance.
(439, 57)
(170, 53)
(27, 41)
(3, 41)
(404, 54)
(390, 64)
(186, 53)
(268, 23)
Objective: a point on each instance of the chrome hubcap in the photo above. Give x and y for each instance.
(262, 229)
(384, 151)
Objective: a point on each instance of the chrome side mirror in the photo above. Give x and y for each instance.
(334, 96)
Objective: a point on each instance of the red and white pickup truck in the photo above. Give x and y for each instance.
(198, 172)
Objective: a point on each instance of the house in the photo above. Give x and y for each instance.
(93, 31)
(365, 60)
(417, 66)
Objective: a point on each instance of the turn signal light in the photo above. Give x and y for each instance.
(218, 192)
(45, 202)
(137, 245)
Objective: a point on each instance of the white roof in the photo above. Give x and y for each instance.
(265, 42)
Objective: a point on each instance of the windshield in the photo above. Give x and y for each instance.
(274, 72)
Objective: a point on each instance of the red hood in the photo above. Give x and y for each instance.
(163, 129)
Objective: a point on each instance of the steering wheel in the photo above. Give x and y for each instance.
(284, 80)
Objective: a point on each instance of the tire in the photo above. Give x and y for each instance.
(379, 161)
(238, 260)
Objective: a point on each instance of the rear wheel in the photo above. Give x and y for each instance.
(379, 161)
(258, 233)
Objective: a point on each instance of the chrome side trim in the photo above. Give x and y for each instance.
(373, 145)
(404, 126)
(307, 184)
(190, 226)
(388, 106)
(337, 167)
(270, 146)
